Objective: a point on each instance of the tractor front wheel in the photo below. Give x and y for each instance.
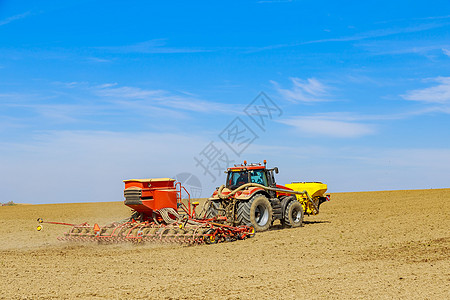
(256, 213)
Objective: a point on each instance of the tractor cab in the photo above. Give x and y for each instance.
(251, 173)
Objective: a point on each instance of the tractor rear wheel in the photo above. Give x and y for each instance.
(213, 209)
(257, 213)
(293, 215)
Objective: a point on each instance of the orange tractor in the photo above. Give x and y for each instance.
(251, 197)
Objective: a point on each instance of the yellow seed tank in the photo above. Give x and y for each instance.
(315, 191)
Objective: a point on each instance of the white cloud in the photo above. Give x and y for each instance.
(98, 59)
(396, 47)
(127, 92)
(103, 103)
(107, 85)
(127, 95)
(152, 46)
(310, 90)
(274, 1)
(368, 35)
(446, 52)
(8, 123)
(350, 124)
(433, 18)
(380, 33)
(327, 127)
(14, 18)
(352, 117)
(436, 94)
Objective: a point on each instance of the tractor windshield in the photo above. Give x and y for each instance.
(236, 179)
(258, 176)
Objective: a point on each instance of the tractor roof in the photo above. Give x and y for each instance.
(237, 168)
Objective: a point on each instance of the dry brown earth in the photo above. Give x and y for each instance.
(371, 245)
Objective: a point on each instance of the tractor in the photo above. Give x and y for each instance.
(251, 197)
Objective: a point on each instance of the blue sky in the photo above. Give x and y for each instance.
(94, 92)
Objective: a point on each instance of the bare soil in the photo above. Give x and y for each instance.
(370, 245)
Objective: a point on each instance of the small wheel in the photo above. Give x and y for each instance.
(210, 238)
(293, 215)
(251, 232)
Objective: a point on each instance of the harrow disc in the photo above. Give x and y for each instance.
(158, 233)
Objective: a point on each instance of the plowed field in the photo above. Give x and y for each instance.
(370, 245)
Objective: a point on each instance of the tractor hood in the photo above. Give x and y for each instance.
(242, 195)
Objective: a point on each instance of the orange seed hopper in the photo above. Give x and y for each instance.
(148, 195)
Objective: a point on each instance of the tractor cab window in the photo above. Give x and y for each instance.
(236, 179)
(258, 176)
(271, 178)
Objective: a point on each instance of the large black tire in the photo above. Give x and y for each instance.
(256, 212)
(293, 215)
(213, 209)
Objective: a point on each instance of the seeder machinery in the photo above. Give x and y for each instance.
(159, 215)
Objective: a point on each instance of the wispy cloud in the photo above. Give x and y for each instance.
(439, 93)
(82, 104)
(14, 98)
(446, 52)
(413, 19)
(158, 97)
(36, 112)
(381, 33)
(322, 126)
(358, 117)
(350, 124)
(275, 1)
(14, 18)
(389, 47)
(152, 46)
(309, 90)
(372, 34)
(98, 59)
(7, 123)
(127, 92)
(433, 18)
